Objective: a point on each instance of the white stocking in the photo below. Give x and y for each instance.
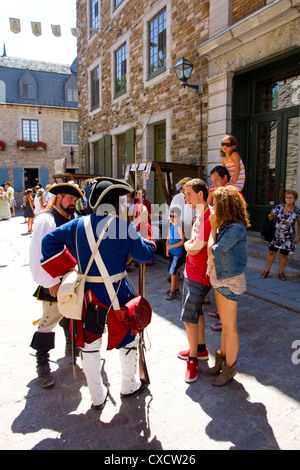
(129, 366)
(91, 365)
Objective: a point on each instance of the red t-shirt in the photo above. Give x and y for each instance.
(196, 265)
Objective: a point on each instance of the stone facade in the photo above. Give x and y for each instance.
(50, 131)
(52, 102)
(148, 101)
(222, 38)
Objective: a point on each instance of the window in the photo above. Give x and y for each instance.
(95, 97)
(70, 133)
(30, 130)
(94, 14)
(117, 3)
(28, 86)
(28, 91)
(121, 70)
(157, 44)
(72, 94)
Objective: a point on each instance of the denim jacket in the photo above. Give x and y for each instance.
(230, 251)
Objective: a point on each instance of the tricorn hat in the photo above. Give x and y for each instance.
(66, 188)
(106, 190)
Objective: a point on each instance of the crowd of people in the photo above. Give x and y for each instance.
(207, 236)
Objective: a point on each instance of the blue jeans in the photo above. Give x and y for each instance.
(228, 294)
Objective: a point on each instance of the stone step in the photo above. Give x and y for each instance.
(258, 248)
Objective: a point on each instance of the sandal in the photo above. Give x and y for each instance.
(176, 291)
(214, 314)
(217, 326)
(265, 274)
(282, 277)
(171, 296)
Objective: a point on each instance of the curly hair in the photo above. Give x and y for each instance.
(231, 207)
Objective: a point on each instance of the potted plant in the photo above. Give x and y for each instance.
(2, 145)
(28, 144)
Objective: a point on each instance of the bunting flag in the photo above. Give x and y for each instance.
(36, 28)
(75, 32)
(56, 30)
(15, 25)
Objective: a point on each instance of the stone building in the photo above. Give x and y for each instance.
(132, 107)
(38, 104)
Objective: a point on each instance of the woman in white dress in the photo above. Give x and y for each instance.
(4, 205)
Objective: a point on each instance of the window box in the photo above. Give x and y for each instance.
(29, 145)
(2, 145)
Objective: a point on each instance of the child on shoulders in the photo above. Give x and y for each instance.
(233, 162)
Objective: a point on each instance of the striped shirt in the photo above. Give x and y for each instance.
(239, 184)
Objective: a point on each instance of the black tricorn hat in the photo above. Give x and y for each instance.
(106, 190)
(66, 188)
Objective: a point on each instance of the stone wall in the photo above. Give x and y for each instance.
(147, 101)
(50, 131)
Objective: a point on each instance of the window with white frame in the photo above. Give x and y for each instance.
(72, 95)
(94, 15)
(157, 43)
(70, 133)
(121, 70)
(30, 130)
(95, 95)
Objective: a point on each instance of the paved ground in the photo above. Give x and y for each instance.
(258, 410)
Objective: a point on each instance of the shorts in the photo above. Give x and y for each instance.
(228, 294)
(175, 263)
(281, 251)
(193, 296)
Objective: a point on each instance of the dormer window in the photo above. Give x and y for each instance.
(27, 86)
(71, 92)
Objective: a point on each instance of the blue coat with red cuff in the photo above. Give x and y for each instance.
(121, 240)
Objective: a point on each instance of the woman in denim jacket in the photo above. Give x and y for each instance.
(227, 253)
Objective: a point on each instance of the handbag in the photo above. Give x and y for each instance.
(268, 229)
(71, 290)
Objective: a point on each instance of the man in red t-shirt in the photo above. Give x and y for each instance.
(196, 282)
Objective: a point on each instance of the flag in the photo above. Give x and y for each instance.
(56, 30)
(75, 32)
(15, 26)
(36, 28)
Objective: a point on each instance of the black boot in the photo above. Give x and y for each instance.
(43, 369)
(42, 343)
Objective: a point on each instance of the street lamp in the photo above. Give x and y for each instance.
(72, 156)
(183, 69)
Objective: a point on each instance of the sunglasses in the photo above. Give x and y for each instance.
(226, 144)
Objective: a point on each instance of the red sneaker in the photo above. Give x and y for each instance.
(203, 356)
(191, 374)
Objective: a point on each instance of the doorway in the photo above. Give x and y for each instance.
(31, 177)
(266, 123)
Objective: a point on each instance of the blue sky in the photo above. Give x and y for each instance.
(46, 47)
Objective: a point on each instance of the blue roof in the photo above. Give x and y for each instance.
(50, 80)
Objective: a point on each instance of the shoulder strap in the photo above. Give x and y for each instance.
(98, 259)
